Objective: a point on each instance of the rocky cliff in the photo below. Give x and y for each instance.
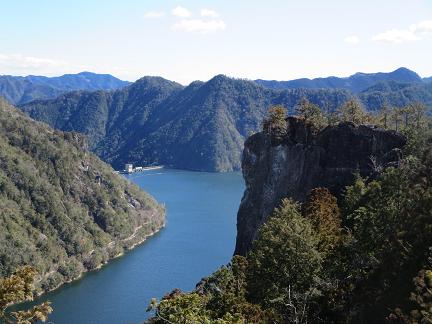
(303, 161)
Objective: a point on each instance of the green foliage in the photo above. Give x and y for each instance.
(390, 219)
(60, 205)
(284, 261)
(353, 111)
(220, 298)
(275, 124)
(312, 115)
(323, 212)
(188, 308)
(16, 288)
(420, 308)
(180, 308)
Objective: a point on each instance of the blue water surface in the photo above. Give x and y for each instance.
(198, 238)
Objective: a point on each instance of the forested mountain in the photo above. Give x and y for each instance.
(62, 210)
(80, 81)
(393, 94)
(198, 127)
(355, 83)
(19, 90)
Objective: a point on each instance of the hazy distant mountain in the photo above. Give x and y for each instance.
(198, 127)
(19, 90)
(80, 81)
(356, 82)
(429, 79)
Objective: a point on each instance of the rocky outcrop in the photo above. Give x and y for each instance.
(302, 161)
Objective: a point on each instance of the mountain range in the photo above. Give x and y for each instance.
(198, 127)
(356, 83)
(19, 90)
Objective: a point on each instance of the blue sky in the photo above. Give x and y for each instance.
(190, 40)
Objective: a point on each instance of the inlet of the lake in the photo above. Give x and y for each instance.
(198, 238)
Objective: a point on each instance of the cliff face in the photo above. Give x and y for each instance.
(303, 161)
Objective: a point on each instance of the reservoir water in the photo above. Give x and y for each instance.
(199, 237)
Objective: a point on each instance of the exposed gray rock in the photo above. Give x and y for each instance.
(303, 161)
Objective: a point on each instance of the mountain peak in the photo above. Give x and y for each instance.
(155, 81)
(407, 74)
(219, 78)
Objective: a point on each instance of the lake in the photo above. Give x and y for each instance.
(198, 238)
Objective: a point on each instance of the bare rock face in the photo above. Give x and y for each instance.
(302, 161)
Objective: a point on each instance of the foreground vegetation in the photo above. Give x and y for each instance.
(62, 210)
(16, 288)
(365, 257)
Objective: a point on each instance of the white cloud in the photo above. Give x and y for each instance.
(200, 25)
(415, 32)
(209, 13)
(396, 36)
(422, 29)
(181, 12)
(154, 14)
(352, 39)
(19, 64)
(29, 62)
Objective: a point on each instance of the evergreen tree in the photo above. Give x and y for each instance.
(275, 124)
(311, 114)
(353, 111)
(323, 212)
(284, 262)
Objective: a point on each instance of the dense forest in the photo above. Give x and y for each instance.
(202, 126)
(62, 210)
(363, 257)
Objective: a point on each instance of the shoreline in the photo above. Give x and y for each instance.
(83, 273)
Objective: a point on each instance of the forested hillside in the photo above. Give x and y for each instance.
(62, 210)
(198, 127)
(393, 94)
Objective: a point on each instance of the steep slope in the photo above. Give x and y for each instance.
(304, 161)
(63, 210)
(200, 127)
(19, 90)
(356, 82)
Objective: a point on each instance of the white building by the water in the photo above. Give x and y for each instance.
(129, 168)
